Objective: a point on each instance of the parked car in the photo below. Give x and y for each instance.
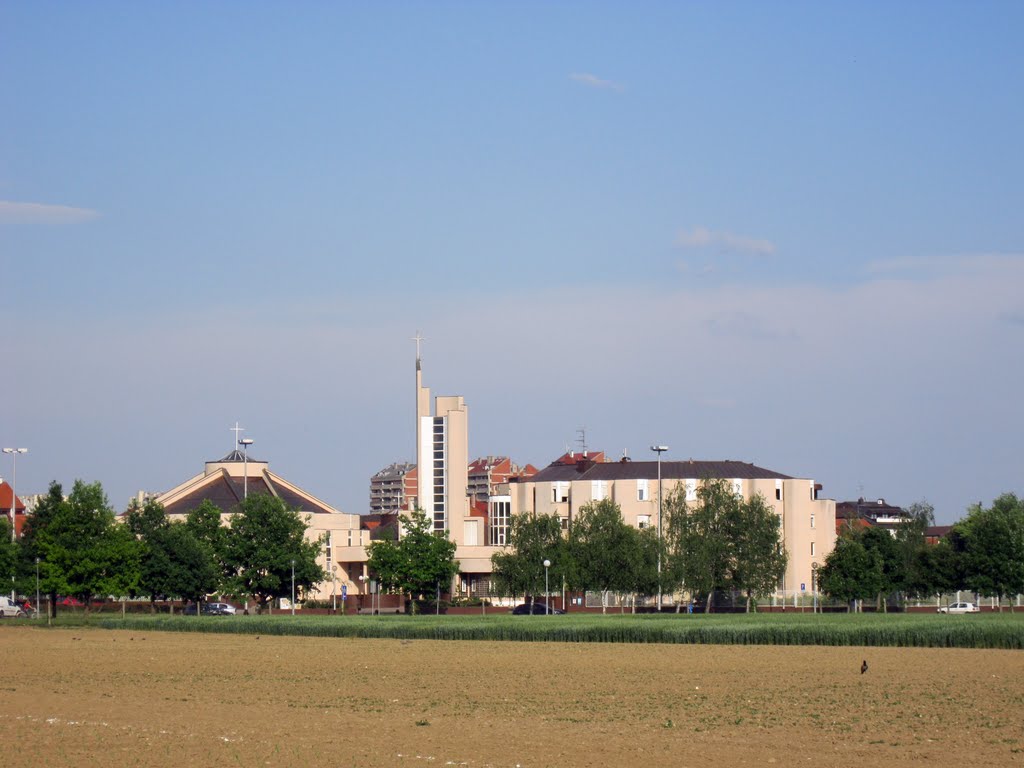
(219, 609)
(538, 609)
(959, 608)
(9, 609)
(69, 602)
(210, 609)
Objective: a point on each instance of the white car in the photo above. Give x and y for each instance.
(959, 608)
(10, 609)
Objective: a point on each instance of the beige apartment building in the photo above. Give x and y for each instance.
(808, 522)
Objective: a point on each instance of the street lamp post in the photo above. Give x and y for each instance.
(659, 449)
(362, 591)
(245, 442)
(293, 586)
(547, 592)
(814, 583)
(37, 587)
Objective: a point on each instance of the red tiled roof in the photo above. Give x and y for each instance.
(6, 492)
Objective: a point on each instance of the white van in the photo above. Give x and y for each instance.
(9, 609)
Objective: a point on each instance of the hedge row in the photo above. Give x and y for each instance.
(922, 631)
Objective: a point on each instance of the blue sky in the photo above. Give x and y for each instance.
(781, 233)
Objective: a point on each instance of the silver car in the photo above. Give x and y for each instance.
(959, 608)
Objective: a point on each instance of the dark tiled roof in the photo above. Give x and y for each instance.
(220, 491)
(670, 470)
(227, 493)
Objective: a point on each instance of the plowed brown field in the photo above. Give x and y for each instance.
(86, 697)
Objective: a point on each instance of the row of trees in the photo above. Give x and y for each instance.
(78, 549)
(983, 553)
(718, 542)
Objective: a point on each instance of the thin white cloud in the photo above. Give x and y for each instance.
(702, 237)
(593, 81)
(41, 213)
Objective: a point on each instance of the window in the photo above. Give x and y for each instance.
(812, 520)
(500, 520)
(643, 521)
(737, 487)
(691, 490)
(778, 490)
(642, 492)
(598, 489)
(559, 492)
(812, 549)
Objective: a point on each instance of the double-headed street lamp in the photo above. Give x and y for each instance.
(659, 449)
(293, 586)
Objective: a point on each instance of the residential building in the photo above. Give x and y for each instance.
(864, 514)
(9, 503)
(489, 472)
(807, 521)
(393, 488)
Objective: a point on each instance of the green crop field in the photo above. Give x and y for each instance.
(993, 630)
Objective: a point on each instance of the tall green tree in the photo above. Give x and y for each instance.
(175, 562)
(9, 555)
(759, 557)
(851, 571)
(994, 556)
(191, 570)
(265, 544)
(889, 554)
(914, 551)
(419, 563)
(602, 550)
(532, 539)
(722, 541)
(83, 551)
(936, 569)
(33, 540)
(700, 537)
(643, 577)
(205, 522)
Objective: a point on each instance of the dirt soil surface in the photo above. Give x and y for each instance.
(88, 697)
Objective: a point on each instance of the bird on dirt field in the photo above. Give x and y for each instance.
(864, 666)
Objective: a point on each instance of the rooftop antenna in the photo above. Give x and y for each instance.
(581, 438)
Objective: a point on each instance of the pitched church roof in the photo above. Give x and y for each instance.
(224, 483)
